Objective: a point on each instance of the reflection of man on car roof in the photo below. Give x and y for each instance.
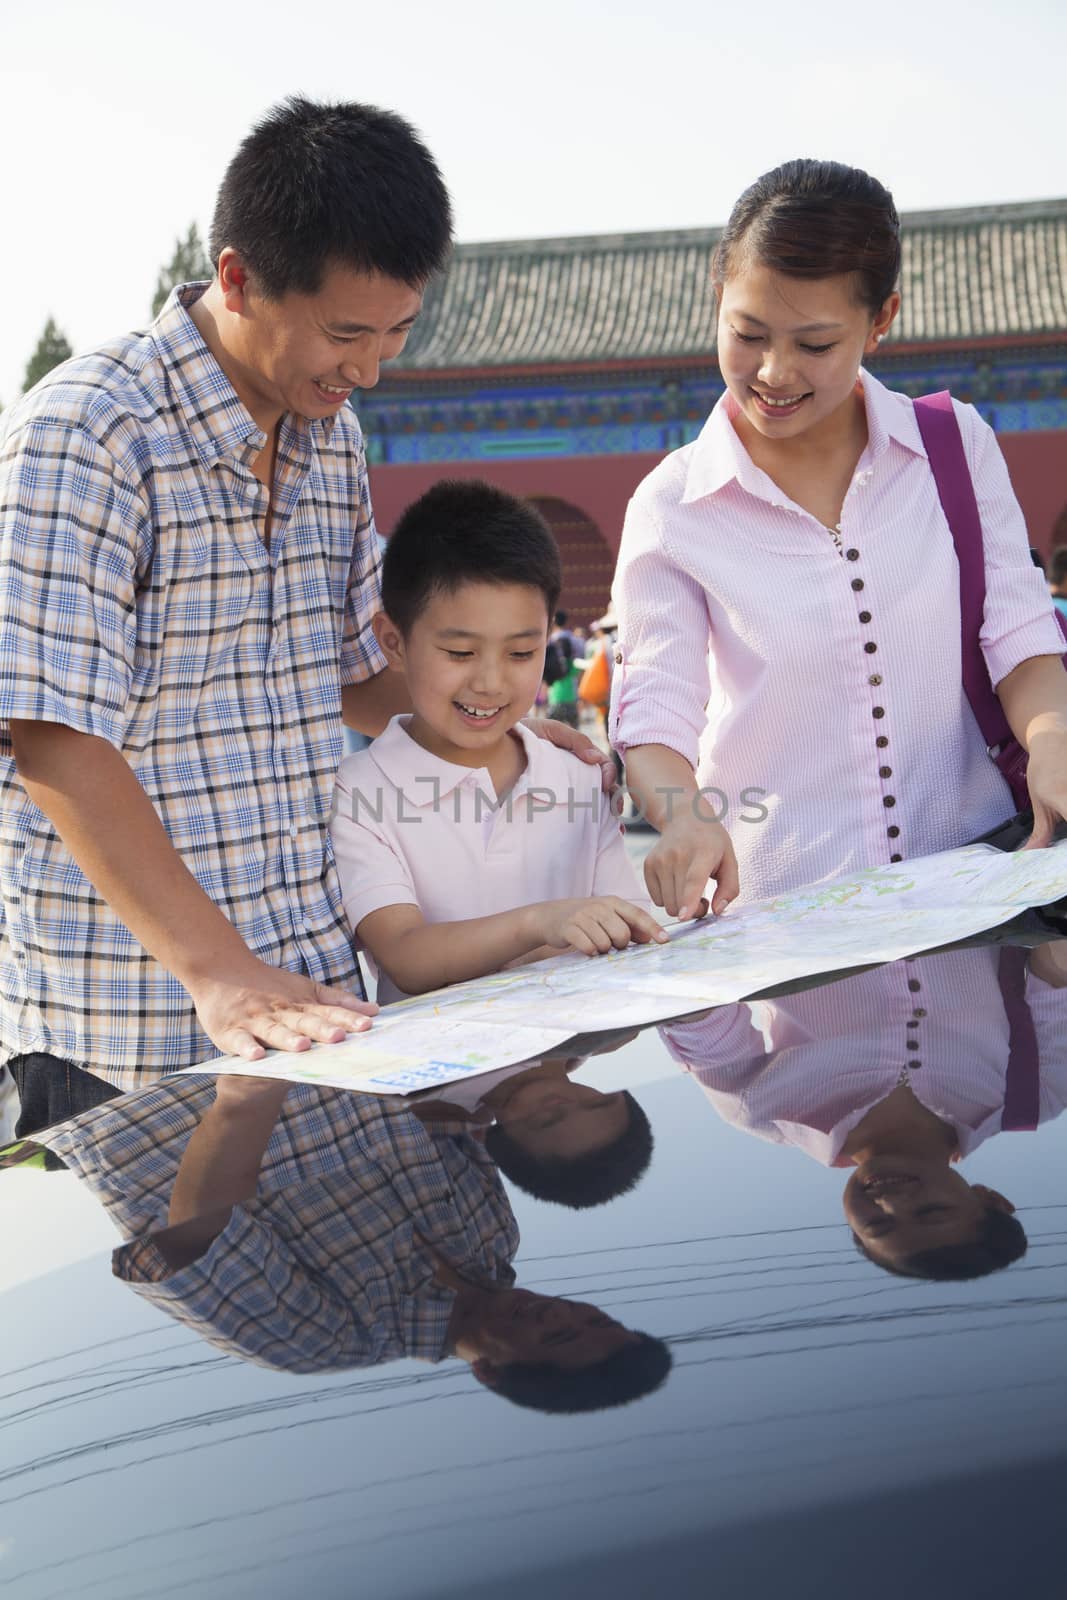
(314, 1230)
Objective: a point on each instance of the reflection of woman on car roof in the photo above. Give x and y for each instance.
(899, 1074)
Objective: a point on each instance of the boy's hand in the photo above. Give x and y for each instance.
(595, 926)
(579, 744)
(690, 850)
(255, 1008)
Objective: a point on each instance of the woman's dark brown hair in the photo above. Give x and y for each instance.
(816, 219)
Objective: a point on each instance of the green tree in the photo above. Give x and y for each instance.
(52, 348)
(188, 263)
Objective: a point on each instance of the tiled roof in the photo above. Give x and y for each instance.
(973, 273)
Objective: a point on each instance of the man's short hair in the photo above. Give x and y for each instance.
(466, 532)
(1001, 1240)
(1057, 566)
(630, 1373)
(561, 619)
(314, 184)
(579, 1181)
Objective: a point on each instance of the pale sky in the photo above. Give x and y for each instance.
(561, 117)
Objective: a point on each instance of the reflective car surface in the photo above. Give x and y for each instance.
(803, 1332)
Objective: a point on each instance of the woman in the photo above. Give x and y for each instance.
(788, 590)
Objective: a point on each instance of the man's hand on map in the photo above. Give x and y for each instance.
(250, 1009)
(595, 926)
(690, 850)
(1046, 778)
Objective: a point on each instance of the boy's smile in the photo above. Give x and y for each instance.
(473, 661)
(478, 716)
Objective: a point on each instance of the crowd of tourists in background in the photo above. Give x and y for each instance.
(576, 687)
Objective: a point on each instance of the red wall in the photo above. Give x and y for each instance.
(1038, 466)
(598, 485)
(601, 485)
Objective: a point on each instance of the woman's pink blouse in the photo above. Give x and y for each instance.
(819, 693)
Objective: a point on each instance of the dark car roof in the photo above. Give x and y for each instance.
(827, 1429)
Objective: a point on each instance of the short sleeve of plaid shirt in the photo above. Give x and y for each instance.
(72, 534)
(361, 655)
(251, 1296)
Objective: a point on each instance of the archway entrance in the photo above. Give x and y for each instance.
(588, 562)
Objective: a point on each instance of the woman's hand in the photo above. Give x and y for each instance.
(1034, 698)
(1046, 777)
(690, 850)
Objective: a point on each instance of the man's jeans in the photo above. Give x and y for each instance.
(52, 1090)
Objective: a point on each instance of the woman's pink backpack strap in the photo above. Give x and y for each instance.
(940, 432)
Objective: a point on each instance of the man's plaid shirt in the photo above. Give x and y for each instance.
(331, 1264)
(139, 603)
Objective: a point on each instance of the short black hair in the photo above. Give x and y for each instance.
(632, 1372)
(561, 619)
(1001, 1239)
(466, 531)
(1057, 565)
(581, 1181)
(316, 183)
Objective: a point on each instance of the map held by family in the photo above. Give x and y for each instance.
(875, 915)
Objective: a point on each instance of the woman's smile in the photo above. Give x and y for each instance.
(775, 407)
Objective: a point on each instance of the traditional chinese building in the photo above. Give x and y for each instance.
(564, 369)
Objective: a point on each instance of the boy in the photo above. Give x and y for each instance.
(462, 842)
(561, 1141)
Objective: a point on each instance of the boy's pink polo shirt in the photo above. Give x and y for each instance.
(411, 829)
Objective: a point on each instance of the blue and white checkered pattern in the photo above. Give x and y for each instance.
(139, 603)
(332, 1263)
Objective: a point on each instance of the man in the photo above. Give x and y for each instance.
(571, 639)
(188, 571)
(313, 1230)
